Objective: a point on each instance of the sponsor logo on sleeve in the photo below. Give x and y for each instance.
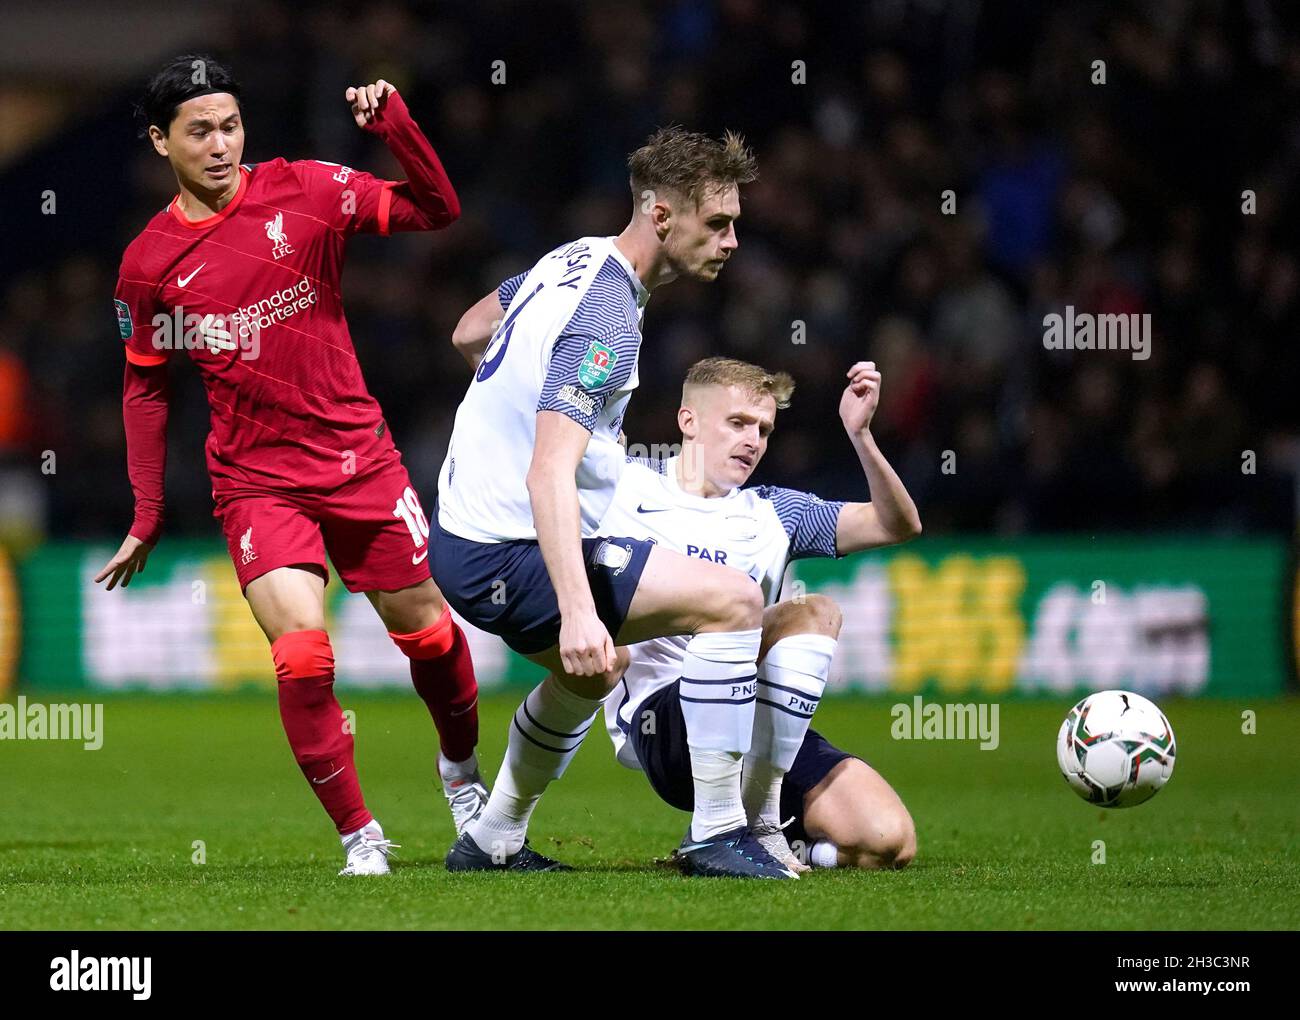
(342, 173)
(124, 325)
(574, 397)
(597, 365)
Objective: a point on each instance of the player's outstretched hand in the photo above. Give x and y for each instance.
(858, 404)
(368, 101)
(586, 648)
(125, 564)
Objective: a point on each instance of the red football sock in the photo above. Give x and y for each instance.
(314, 724)
(443, 674)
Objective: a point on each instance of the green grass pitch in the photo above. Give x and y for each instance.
(105, 839)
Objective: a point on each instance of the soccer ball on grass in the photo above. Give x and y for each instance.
(1115, 749)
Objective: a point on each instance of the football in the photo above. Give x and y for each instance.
(1116, 749)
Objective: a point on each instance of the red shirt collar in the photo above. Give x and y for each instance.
(215, 218)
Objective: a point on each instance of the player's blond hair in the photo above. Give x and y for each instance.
(754, 380)
(690, 163)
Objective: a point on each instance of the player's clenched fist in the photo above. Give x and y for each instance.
(858, 403)
(586, 648)
(368, 101)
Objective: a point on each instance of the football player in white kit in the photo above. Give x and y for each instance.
(531, 468)
(841, 812)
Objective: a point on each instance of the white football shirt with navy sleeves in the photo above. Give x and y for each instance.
(757, 531)
(569, 342)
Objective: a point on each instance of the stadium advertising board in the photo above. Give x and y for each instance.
(1037, 616)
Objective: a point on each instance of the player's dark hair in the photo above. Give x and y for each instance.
(690, 163)
(184, 77)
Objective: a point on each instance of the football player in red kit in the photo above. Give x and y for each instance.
(242, 271)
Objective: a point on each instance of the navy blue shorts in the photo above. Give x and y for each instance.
(504, 588)
(665, 757)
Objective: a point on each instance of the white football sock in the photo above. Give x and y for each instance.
(547, 730)
(718, 807)
(453, 773)
(373, 825)
(790, 685)
(717, 697)
(760, 788)
(717, 690)
(824, 854)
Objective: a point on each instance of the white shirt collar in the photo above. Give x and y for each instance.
(689, 498)
(642, 295)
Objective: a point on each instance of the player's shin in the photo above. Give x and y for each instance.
(545, 734)
(442, 673)
(790, 686)
(319, 735)
(717, 700)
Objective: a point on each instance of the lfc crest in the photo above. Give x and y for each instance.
(280, 246)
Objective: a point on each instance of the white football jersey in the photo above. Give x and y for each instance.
(757, 531)
(569, 342)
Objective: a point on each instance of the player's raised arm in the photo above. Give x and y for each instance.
(477, 326)
(426, 200)
(891, 516)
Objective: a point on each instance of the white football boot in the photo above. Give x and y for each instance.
(368, 851)
(467, 798)
(771, 837)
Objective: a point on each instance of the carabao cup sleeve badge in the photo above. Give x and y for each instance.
(124, 325)
(596, 366)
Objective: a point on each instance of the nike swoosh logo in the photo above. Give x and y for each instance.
(419, 557)
(328, 778)
(183, 281)
(464, 710)
(641, 509)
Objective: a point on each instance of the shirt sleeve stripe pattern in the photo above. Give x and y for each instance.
(809, 520)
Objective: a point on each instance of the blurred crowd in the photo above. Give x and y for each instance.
(1114, 189)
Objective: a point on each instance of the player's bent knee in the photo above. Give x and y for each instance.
(813, 614)
(824, 615)
(897, 840)
(622, 659)
(409, 610)
(597, 687)
(738, 606)
(886, 842)
(302, 654)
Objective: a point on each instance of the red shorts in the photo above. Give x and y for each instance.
(372, 528)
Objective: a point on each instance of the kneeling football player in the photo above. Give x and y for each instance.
(844, 814)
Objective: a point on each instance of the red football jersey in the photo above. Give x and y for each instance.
(252, 294)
